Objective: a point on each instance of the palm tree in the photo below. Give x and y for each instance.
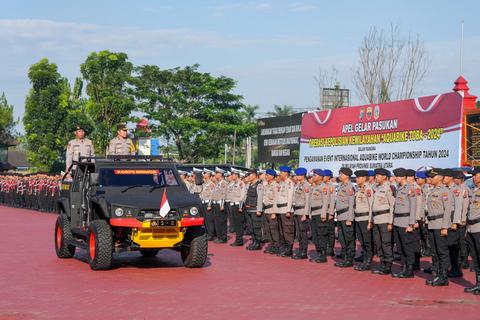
(281, 111)
(250, 112)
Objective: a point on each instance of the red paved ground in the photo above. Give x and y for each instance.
(235, 284)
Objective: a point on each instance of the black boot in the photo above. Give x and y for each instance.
(366, 265)
(428, 270)
(320, 258)
(474, 288)
(455, 272)
(255, 246)
(441, 280)
(464, 264)
(360, 259)
(301, 255)
(347, 263)
(288, 252)
(330, 251)
(379, 270)
(401, 273)
(408, 273)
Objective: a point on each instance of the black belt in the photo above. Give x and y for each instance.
(316, 208)
(281, 205)
(268, 206)
(433, 218)
(377, 213)
(298, 207)
(342, 210)
(473, 221)
(361, 214)
(401, 215)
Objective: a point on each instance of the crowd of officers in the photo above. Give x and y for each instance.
(31, 191)
(410, 213)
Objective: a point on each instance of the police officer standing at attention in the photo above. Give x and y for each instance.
(473, 231)
(121, 144)
(440, 207)
(268, 194)
(344, 207)
(252, 202)
(363, 216)
(284, 206)
(404, 219)
(237, 194)
(206, 195)
(328, 175)
(301, 211)
(218, 209)
(459, 180)
(320, 220)
(79, 147)
(382, 213)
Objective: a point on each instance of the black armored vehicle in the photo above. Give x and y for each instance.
(128, 203)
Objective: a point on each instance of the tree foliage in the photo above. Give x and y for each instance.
(46, 107)
(198, 112)
(107, 75)
(281, 111)
(7, 123)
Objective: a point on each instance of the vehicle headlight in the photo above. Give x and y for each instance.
(119, 212)
(193, 211)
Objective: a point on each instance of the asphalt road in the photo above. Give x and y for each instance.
(234, 284)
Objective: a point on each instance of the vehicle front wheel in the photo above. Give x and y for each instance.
(194, 248)
(63, 234)
(100, 245)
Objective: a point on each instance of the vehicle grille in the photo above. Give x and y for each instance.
(155, 214)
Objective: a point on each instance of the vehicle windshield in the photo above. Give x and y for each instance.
(124, 177)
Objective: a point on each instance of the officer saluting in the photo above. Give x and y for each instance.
(79, 147)
(121, 144)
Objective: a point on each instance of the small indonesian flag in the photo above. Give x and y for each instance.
(164, 205)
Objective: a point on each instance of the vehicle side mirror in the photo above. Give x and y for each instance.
(94, 178)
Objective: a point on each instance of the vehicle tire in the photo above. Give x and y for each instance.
(63, 234)
(194, 248)
(100, 245)
(149, 253)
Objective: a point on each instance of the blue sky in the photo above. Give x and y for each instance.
(272, 48)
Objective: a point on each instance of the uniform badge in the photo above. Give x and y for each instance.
(350, 192)
(445, 196)
(419, 191)
(465, 193)
(456, 192)
(411, 193)
(325, 190)
(369, 193)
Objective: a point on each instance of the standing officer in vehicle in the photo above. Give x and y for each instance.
(344, 207)
(79, 147)
(121, 145)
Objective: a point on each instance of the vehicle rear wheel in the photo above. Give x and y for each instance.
(149, 253)
(194, 248)
(63, 234)
(100, 245)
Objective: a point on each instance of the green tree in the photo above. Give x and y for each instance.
(196, 111)
(45, 110)
(280, 111)
(107, 75)
(7, 123)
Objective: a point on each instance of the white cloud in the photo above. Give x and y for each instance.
(221, 10)
(301, 7)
